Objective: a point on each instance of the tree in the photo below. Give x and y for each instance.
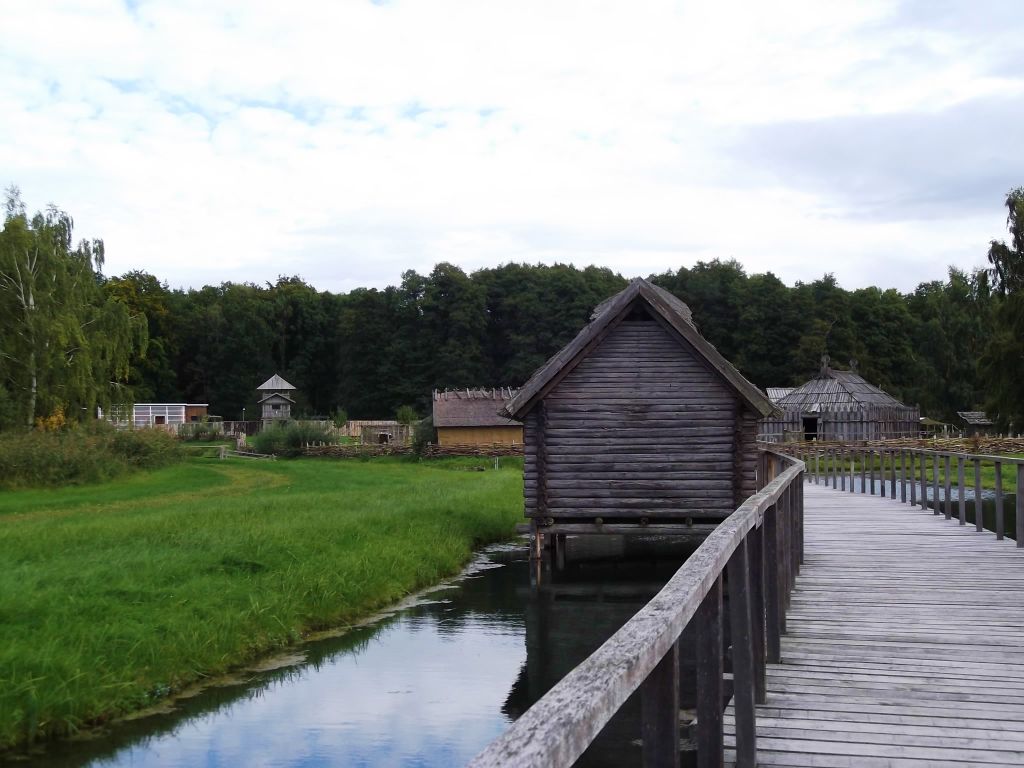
(65, 344)
(1008, 262)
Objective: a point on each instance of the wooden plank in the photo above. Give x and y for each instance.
(886, 665)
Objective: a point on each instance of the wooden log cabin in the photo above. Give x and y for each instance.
(638, 422)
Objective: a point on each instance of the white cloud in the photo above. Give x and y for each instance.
(348, 141)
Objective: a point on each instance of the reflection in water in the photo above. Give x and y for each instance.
(429, 686)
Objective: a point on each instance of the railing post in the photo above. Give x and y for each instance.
(773, 606)
(1019, 527)
(871, 454)
(659, 706)
(892, 475)
(835, 467)
(743, 673)
(947, 489)
(710, 671)
(903, 475)
(979, 512)
(1000, 519)
(912, 455)
(924, 480)
(961, 491)
(757, 579)
(863, 471)
(842, 469)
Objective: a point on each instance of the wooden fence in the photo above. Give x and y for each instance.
(758, 549)
(911, 472)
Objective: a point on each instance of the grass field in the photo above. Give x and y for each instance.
(114, 595)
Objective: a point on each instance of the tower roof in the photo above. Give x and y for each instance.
(275, 382)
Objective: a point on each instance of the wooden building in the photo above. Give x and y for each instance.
(976, 423)
(840, 405)
(637, 421)
(473, 417)
(275, 402)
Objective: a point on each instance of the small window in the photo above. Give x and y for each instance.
(276, 407)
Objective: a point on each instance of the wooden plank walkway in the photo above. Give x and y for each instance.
(905, 643)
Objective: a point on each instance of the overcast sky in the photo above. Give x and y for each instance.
(347, 142)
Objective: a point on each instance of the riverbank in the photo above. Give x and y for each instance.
(118, 594)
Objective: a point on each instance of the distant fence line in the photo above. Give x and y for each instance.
(432, 450)
(976, 444)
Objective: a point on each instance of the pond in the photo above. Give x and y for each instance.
(429, 684)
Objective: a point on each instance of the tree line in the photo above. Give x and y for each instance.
(72, 338)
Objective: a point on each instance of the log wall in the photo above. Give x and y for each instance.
(640, 428)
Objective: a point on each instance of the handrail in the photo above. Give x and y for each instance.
(908, 471)
(557, 729)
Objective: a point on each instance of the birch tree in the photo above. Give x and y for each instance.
(64, 345)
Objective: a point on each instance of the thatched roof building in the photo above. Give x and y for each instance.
(841, 405)
(473, 417)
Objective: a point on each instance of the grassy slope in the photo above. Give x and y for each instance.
(115, 594)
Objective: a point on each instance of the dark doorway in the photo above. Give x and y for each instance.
(810, 428)
(383, 438)
(159, 419)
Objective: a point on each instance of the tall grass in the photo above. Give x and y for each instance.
(290, 438)
(87, 454)
(110, 600)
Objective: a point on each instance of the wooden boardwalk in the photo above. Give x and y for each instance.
(904, 644)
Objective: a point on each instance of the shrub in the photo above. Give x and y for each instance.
(423, 434)
(290, 438)
(87, 454)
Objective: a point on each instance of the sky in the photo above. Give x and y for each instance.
(347, 141)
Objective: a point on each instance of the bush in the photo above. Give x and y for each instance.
(88, 454)
(289, 439)
(423, 434)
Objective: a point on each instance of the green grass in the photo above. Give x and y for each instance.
(114, 595)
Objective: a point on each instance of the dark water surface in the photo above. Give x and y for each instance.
(430, 685)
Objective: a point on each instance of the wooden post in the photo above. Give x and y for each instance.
(757, 609)
(871, 455)
(892, 475)
(912, 455)
(935, 485)
(979, 512)
(773, 606)
(741, 632)
(903, 476)
(961, 491)
(659, 706)
(1000, 519)
(924, 479)
(710, 670)
(947, 488)
(1019, 527)
(842, 469)
(835, 468)
(863, 471)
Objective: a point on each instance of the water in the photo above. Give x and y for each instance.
(430, 685)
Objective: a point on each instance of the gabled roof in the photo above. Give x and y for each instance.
(606, 316)
(834, 390)
(275, 382)
(975, 418)
(472, 407)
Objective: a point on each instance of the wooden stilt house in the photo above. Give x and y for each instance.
(637, 421)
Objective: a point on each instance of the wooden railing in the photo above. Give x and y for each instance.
(911, 473)
(758, 549)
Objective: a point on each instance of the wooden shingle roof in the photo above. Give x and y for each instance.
(834, 390)
(975, 418)
(606, 316)
(472, 407)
